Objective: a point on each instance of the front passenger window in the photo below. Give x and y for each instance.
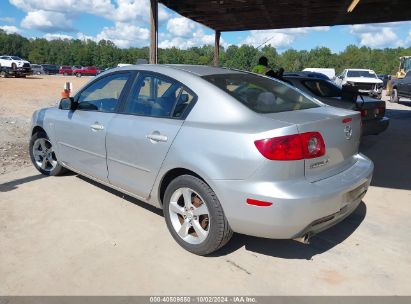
(104, 94)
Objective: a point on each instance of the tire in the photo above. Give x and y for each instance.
(38, 73)
(13, 66)
(3, 74)
(78, 75)
(394, 95)
(43, 156)
(206, 229)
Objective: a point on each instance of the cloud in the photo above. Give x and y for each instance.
(180, 26)
(10, 29)
(197, 38)
(125, 35)
(7, 19)
(377, 35)
(54, 17)
(51, 36)
(47, 21)
(135, 11)
(279, 38)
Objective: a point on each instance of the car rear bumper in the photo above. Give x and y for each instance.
(375, 126)
(298, 207)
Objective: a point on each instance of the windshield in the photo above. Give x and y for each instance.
(369, 74)
(15, 58)
(261, 94)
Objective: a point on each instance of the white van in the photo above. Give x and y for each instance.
(330, 73)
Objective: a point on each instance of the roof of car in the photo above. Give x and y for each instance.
(202, 70)
(199, 70)
(303, 77)
(359, 70)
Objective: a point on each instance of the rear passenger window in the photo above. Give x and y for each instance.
(184, 99)
(104, 94)
(157, 97)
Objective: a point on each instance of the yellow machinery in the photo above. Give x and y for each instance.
(405, 66)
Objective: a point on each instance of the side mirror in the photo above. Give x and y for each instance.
(67, 104)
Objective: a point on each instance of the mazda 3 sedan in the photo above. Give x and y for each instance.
(219, 150)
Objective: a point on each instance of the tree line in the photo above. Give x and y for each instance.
(106, 54)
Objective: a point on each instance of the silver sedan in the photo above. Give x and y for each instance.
(219, 150)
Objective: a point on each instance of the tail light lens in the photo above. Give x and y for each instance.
(381, 110)
(292, 147)
(313, 144)
(364, 113)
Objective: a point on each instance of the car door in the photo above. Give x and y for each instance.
(406, 85)
(139, 138)
(401, 87)
(81, 134)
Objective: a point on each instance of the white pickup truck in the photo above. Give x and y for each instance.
(366, 81)
(13, 65)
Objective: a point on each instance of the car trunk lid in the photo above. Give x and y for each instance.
(341, 131)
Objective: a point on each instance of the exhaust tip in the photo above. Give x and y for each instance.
(305, 239)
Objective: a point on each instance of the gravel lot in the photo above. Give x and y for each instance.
(19, 98)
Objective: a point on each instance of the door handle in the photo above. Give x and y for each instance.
(96, 126)
(156, 137)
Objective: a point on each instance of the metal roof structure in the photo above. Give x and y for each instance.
(240, 15)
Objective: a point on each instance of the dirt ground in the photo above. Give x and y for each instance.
(19, 98)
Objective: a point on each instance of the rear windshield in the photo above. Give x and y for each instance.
(261, 94)
(322, 88)
(361, 74)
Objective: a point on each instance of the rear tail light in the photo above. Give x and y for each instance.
(364, 113)
(380, 110)
(292, 147)
(313, 144)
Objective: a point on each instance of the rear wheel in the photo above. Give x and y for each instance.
(394, 95)
(194, 215)
(43, 156)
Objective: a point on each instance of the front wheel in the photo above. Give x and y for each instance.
(394, 96)
(78, 75)
(194, 216)
(13, 66)
(43, 156)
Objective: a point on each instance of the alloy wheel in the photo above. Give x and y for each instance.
(44, 155)
(189, 215)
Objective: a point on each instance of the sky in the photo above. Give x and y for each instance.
(126, 23)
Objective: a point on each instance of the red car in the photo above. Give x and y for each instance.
(86, 71)
(66, 70)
